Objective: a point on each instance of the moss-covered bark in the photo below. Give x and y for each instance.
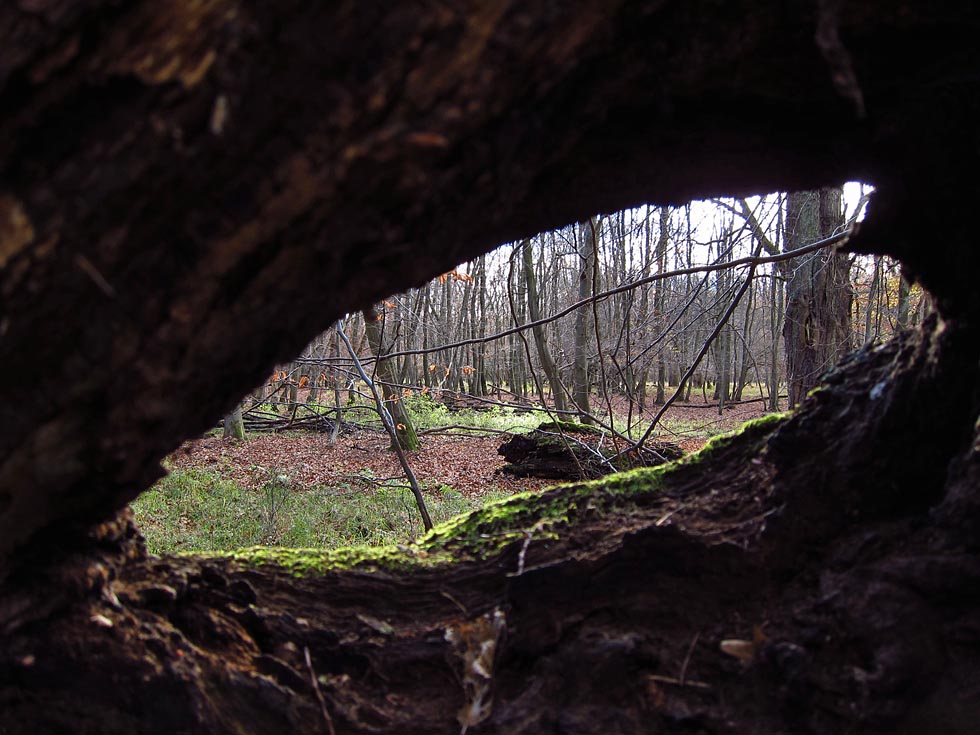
(189, 197)
(636, 579)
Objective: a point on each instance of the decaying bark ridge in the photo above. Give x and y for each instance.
(635, 583)
(172, 182)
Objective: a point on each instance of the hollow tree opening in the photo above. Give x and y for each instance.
(169, 179)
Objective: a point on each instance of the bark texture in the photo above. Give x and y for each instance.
(187, 197)
(384, 373)
(570, 451)
(817, 329)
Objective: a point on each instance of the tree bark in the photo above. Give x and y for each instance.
(540, 335)
(394, 639)
(581, 385)
(407, 437)
(659, 303)
(233, 424)
(817, 327)
(172, 182)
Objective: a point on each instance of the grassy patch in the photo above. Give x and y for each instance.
(430, 414)
(194, 510)
(319, 529)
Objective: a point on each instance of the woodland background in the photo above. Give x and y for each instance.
(671, 323)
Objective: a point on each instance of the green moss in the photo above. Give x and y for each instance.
(569, 427)
(305, 562)
(488, 530)
(757, 428)
(477, 534)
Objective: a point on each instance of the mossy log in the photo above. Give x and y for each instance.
(569, 451)
(505, 619)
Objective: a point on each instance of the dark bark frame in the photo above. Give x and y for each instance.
(164, 177)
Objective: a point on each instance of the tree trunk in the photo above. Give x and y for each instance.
(659, 303)
(904, 293)
(234, 427)
(745, 359)
(540, 335)
(817, 329)
(384, 371)
(776, 311)
(585, 246)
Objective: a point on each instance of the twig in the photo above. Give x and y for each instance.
(390, 427)
(461, 427)
(528, 535)
(753, 261)
(687, 659)
(678, 682)
(319, 695)
(665, 517)
(87, 267)
(593, 451)
(456, 602)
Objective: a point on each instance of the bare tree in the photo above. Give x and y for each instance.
(405, 435)
(586, 247)
(817, 330)
(539, 331)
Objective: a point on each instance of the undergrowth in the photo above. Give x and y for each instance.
(430, 414)
(194, 510)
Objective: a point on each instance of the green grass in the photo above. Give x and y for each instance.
(194, 510)
(429, 414)
(426, 414)
(497, 524)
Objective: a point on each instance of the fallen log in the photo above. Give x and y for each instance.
(563, 450)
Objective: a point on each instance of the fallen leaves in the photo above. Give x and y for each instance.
(469, 465)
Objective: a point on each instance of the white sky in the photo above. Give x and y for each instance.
(707, 218)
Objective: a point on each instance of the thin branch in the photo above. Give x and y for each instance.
(390, 427)
(687, 659)
(324, 712)
(753, 261)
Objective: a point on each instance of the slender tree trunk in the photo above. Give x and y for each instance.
(870, 334)
(904, 293)
(659, 302)
(384, 370)
(337, 378)
(427, 365)
(775, 327)
(580, 383)
(745, 360)
(723, 353)
(539, 332)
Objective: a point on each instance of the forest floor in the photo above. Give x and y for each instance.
(468, 464)
(298, 489)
